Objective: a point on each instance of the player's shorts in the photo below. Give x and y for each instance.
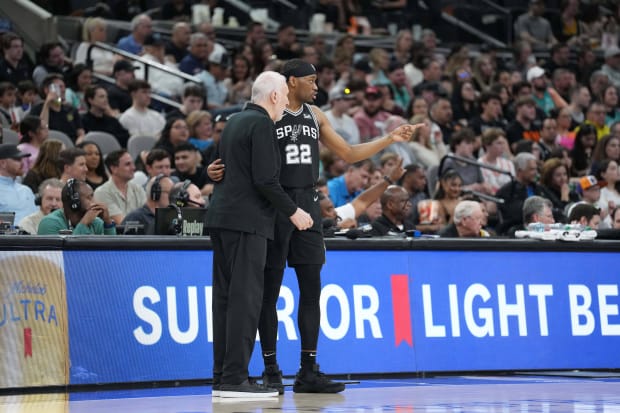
(298, 247)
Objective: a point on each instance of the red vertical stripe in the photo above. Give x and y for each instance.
(27, 342)
(402, 309)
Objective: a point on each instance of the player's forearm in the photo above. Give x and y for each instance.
(363, 151)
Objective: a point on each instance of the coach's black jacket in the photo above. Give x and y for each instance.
(247, 197)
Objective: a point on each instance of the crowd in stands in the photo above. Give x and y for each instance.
(506, 140)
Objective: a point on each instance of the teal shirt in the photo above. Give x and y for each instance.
(546, 103)
(55, 221)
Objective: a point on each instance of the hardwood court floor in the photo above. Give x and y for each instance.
(478, 394)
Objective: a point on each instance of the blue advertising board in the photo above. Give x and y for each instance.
(145, 315)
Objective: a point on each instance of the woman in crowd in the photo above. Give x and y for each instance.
(174, 133)
(448, 194)
(610, 100)
(427, 151)
(96, 175)
(418, 106)
(200, 129)
(402, 47)
(607, 148)
(554, 179)
(34, 133)
(46, 165)
(563, 119)
(496, 147)
(484, 73)
(78, 81)
(615, 218)
(582, 152)
(239, 84)
(610, 193)
(464, 105)
(94, 30)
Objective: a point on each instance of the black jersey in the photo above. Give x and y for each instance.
(298, 138)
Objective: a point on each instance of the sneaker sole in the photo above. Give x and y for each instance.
(330, 390)
(246, 394)
(215, 393)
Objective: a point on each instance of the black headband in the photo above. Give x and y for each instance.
(303, 69)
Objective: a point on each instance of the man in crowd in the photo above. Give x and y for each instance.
(100, 116)
(158, 191)
(139, 119)
(15, 67)
(118, 93)
(176, 48)
(585, 214)
(490, 114)
(118, 193)
(14, 197)
(141, 27)
(52, 62)
(199, 49)
(187, 165)
(537, 209)
(341, 100)
(48, 200)
(350, 184)
(523, 126)
(79, 213)
(371, 115)
(468, 218)
(72, 164)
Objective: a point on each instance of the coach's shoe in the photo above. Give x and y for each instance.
(272, 377)
(312, 380)
(246, 390)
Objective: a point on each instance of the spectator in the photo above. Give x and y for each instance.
(548, 138)
(163, 83)
(255, 31)
(200, 124)
(464, 105)
(612, 65)
(607, 148)
(100, 116)
(118, 93)
(118, 193)
(490, 114)
(55, 113)
(484, 75)
(78, 214)
(371, 115)
(175, 132)
(468, 219)
(100, 60)
(546, 97)
(395, 206)
(15, 66)
(427, 149)
(346, 187)
(78, 80)
(48, 199)
(208, 29)
(239, 85)
(199, 49)
(34, 133)
(214, 80)
(566, 25)
(141, 27)
(414, 182)
(52, 60)
(14, 197)
(46, 165)
(610, 194)
(176, 47)
(139, 119)
(517, 191)
(580, 99)
(158, 196)
(431, 75)
(286, 47)
(495, 151)
(177, 10)
(585, 215)
(533, 27)
(72, 164)
(610, 100)
(325, 82)
(187, 165)
(27, 95)
(96, 174)
(7, 106)
(341, 100)
(193, 100)
(462, 145)
(554, 179)
(582, 152)
(595, 116)
(566, 134)
(150, 164)
(333, 165)
(523, 127)
(448, 194)
(589, 188)
(537, 209)
(442, 115)
(615, 218)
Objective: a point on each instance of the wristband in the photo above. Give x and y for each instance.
(388, 180)
(108, 226)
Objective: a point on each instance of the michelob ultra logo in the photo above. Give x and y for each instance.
(33, 320)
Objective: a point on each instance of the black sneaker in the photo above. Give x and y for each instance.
(311, 380)
(272, 377)
(246, 389)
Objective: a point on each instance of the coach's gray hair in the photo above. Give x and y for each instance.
(266, 83)
(464, 209)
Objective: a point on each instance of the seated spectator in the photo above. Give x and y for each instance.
(100, 116)
(533, 27)
(193, 100)
(607, 148)
(186, 194)
(151, 163)
(333, 165)
(139, 119)
(214, 80)
(427, 149)
(118, 193)
(187, 165)
(96, 174)
(548, 138)
(175, 132)
(48, 199)
(448, 195)
(371, 115)
(585, 215)
(612, 65)
(79, 213)
(119, 96)
(27, 95)
(610, 194)
(468, 218)
(46, 165)
(462, 145)
(595, 116)
(524, 125)
(141, 27)
(15, 66)
(200, 123)
(554, 180)
(239, 85)
(176, 48)
(495, 151)
(395, 208)
(7, 106)
(615, 218)
(52, 61)
(199, 49)
(55, 113)
(515, 192)
(33, 133)
(346, 187)
(78, 80)
(163, 83)
(158, 191)
(590, 190)
(535, 209)
(95, 30)
(402, 149)
(341, 100)
(441, 116)
(585, 142)
(490, 114)
(414, 182)
(72, 164)
(14, 197)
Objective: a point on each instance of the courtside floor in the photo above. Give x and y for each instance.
(477, 394)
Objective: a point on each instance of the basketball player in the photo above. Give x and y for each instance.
(298, 133)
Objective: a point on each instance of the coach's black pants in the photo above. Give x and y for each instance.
(238, 265)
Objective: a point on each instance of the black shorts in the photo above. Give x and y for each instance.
(298, 247)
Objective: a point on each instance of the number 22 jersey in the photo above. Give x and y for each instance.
(298, 139)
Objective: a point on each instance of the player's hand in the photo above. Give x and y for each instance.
(215, 170)
(404, 133)
(301, 219)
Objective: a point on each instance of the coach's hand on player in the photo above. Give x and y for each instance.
(215, 170)
(301, 219)
(404, 133)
